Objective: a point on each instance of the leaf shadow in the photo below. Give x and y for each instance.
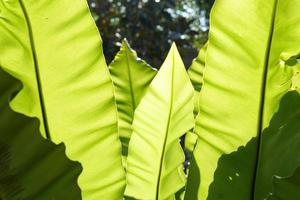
(31, 167)
(193, 182)
(278, 156)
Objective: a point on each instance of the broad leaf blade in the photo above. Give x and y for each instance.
(54, 48)
(282, 77)
(281, 138)
(245, 79)
(279, 150)
(30, 166)
(155, 159)
(131, 77)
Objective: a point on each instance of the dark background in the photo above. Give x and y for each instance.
(151, 26)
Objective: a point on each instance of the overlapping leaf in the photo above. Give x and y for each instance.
(195, 73)
(165, 113)
(131, 77)
(283, 133)
(54, 48)
(196, 70)
(248, 71)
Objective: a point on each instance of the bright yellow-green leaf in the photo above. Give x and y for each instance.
(131, 77)
(247, 72)
(165, 113)
(196, 70)
(54, 48)
(190, 140)
(195, 73)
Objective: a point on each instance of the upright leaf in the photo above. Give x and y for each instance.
(196, 70)
(131, 77)
(195, 73)
(155, 159)
(283, 140)
(30, 166)
(54, 48)
(250, 64)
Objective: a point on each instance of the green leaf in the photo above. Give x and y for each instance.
(195, 73)
(196, 70)
(131, 77)
(286, 188)
(30, 166)
(283, 140)
(246, 75)
(55, 49)
(165, 113)
(190, 140)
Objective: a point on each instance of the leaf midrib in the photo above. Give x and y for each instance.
(37, 72)
(167, 129)
(262, 100)
(130, 81)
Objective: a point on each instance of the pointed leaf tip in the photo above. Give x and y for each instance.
(174, 46)
(125, 70)
(125, 43)
(173, 56)
(168, 101)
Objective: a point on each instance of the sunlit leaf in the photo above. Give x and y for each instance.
(54, 48)
(246, 76)
(155, 159)
(195, 73)
(131, 77)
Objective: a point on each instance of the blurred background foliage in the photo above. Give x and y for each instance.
(151, 26)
